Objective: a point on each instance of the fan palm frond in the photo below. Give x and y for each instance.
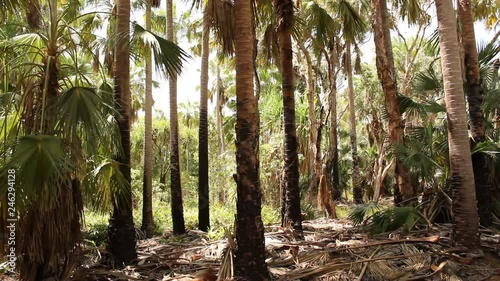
(169, 57)
(359, 213)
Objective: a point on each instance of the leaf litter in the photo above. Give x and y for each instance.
(332, 249)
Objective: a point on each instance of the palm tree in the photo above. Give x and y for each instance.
(465, 217)
(121, 231)
(404, 191)
(203, 188)
(356, 186)
(175, 169)
(292, 215)
(147, 204)
(250, 254)
(475, 93)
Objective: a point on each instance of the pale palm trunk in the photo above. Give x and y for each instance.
(121, 230)
(403, 189)
(175, 167)
(203, 188)
(250, 254)
(475, 93)
(147, 204)
(356, 188)
(465, 217)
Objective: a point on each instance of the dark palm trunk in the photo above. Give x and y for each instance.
(387, 77)
(474, 93)
(250, 254)
(175, 170)
(203, 196)
(332, 165)
(284, 10)
(121, 229)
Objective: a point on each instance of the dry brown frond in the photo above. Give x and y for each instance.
(220, 16)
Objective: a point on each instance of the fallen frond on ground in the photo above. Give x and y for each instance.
(331, 250)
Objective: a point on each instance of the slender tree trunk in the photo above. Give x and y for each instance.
(474, 93)
(175, 167)
(147, 204)
(293, 217)
(356, 188)
(203, 196)
(403, 189)
(333, 161)
(121, 230)
(314, 173)
(465, 217)
(250, 254)
(219, 116)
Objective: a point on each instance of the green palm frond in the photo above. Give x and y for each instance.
(168, 56)
(104, 185)
(392, 219)
(489, 148)
(487, 53)
(359, 214)
(427, 80)
(409, 9)
(319, 22)
(353, 23)
(40, 163)
(82, 107)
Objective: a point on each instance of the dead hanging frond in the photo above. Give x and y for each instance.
(155, 3)
(357, 62)
(33, 14)
(270, 44)
(325, 199)
(284, 12)
(221, 19)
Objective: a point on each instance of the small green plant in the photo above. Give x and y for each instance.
(383, 220)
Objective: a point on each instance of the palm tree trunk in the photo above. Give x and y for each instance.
(465, 217)
(474, 93)
(333, 161)
(147, 204)
(203, 196)
(403, 189)
(356, 188)
(250, 254)
(292, 217)
(121, 230)
(175, 169)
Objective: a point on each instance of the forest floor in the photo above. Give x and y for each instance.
(332, 250)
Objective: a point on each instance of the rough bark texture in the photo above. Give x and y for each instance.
(465, 217)
(121, 229)
(250, 254)
(356, 188)
(203, 196)
(284, 10)
(387, 77)
(147, 204)
(474, 93)
(175, 169)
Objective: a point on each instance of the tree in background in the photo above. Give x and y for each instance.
(403, 191)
